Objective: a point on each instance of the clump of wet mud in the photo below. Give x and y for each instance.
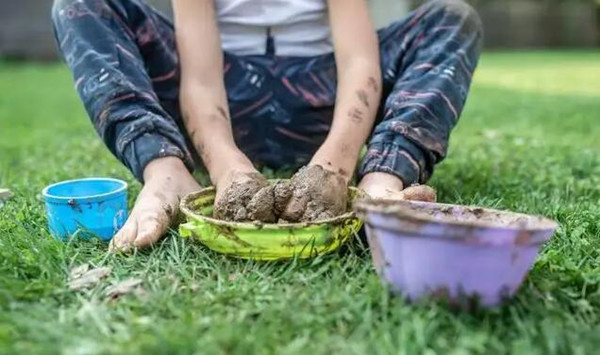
(312, 194)
(282, 192)
(249, 200)
(317, 194)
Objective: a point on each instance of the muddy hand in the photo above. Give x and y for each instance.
(245, 196)
(316, 193)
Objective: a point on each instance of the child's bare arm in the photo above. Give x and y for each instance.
(202, 94)
(359, 85)
(358, 94)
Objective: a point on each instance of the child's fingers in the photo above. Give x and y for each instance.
(419, 193)
(262, 206)
(296, 207)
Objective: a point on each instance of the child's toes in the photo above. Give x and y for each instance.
(125, 237)
(153, 226)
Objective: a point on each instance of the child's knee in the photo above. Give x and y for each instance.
(58, 7)
(65, 10)
(459, 9)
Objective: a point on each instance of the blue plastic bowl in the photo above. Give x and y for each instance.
(94, 207)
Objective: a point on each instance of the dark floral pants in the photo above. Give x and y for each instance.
(126, 69)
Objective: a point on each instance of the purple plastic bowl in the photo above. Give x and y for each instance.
(431, 249)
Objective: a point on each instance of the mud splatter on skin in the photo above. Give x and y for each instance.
(185, 117)
(169, 210)
(192, 136)
(356, 115)
(159, 195)
(362, 96)
(200, 148)
(373, 84)
(223, 113)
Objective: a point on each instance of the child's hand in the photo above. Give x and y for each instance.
(316, 193)
(245, 196)
(389, 187)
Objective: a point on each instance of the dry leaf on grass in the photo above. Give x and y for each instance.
(81, 277)
(5, 195)
(78, 271)
(123, 287)
(491, 134)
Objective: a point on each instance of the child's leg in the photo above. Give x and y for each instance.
(122, 55)
(428, 60)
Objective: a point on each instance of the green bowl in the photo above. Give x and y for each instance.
(262, 241)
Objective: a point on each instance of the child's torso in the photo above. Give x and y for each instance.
(298, 27)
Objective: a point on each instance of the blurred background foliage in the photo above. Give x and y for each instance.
(26, 31)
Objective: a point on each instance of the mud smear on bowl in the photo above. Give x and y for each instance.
(452, 252)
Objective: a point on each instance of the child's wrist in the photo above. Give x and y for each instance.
(340, 157)
(336, 164)
(225, 161)
(164, 165)
(383, 179)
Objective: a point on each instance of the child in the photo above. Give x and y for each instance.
(274, 83)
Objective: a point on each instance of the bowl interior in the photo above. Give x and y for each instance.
(84, 188)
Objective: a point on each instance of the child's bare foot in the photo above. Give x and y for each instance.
(166, 182)
(389, 187)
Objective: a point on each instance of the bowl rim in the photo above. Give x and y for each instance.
(259, 225)
(394, 207)
(89, 198)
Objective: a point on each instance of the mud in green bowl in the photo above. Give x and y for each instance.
(265, 241)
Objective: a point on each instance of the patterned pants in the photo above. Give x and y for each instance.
(126, 69)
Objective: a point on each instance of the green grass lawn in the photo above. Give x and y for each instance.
(529, 141)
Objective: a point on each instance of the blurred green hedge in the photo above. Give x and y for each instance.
(597, 2)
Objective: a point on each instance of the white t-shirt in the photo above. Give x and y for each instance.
(298, 27)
